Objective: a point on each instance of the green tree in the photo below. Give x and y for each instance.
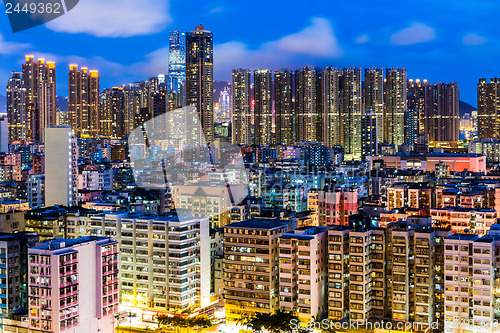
(279, 322)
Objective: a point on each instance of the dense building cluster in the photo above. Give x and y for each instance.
(323, 192)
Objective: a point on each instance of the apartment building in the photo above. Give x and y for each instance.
(410, 270)
(303, 271)
(73, 285)
(471, 281)
(473, 220)
(251, 263)
(164, 260)
(13, 272)
(338, 272)
(336, 205)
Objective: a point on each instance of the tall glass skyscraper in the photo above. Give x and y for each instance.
(200, 77)
(176, 61)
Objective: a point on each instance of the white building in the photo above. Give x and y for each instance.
(165, 260)
(61, 170)
(304, 272)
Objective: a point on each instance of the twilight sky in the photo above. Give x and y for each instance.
(127, 40)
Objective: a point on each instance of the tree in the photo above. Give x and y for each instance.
(199, 322)
(279, 322)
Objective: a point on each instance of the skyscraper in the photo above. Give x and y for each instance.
(374, 97)
(61, 169)
(369, 132)
(331, 106)
(284, 106)
(351, 112)
(416, 101)
(176, 61)
(308, 104)
(441, 116)
(488, 108)
(263, 108)
(200, 77)
(395, 105)
(83, 101)
(39, 79)
(241, 111)
(113, 121)
(16, 109)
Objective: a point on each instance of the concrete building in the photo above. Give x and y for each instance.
(157, 249)
(61, 171)
(13, 272)
(303, 272)
(251, 282)
(73, 285)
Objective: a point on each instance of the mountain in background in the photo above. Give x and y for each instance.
(465, 108)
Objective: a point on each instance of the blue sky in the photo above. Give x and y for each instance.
(127, 40)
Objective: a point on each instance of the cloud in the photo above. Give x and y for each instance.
(473, 39)
(216, 10)
(11, 47)
(362, 39)
(415, 33)
(114, 18)
(318, 39)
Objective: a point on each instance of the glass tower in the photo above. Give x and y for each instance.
(176, 61)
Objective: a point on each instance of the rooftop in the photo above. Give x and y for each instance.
(61, 243)
(258, 223)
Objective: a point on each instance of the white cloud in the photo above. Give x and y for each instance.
(415, 33)
(11, 47)
(216, 10)
(114, 18)
(473, 39)
(362, 39)
(318, 39)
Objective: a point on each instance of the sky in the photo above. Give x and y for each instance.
(127, 40)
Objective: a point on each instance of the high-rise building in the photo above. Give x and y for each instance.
(200, 78)
(488, 109)
(351, 113)
(284, 106)
(416, 101)
(73, 285)
(113, 121)
(14, 260)
(441, 115)
(225, 105)
(331, 88)
(39, 79)
(83, 101)
(164, 260)
(303, 272)
(374, 97)
(4, 133)
(251, 261)
(308, 105)
(395, 105)
(369, 132)
(61, 166)
(19, 123)
(176, 61)
(411, 126)
(241, 109)
(263, 107)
